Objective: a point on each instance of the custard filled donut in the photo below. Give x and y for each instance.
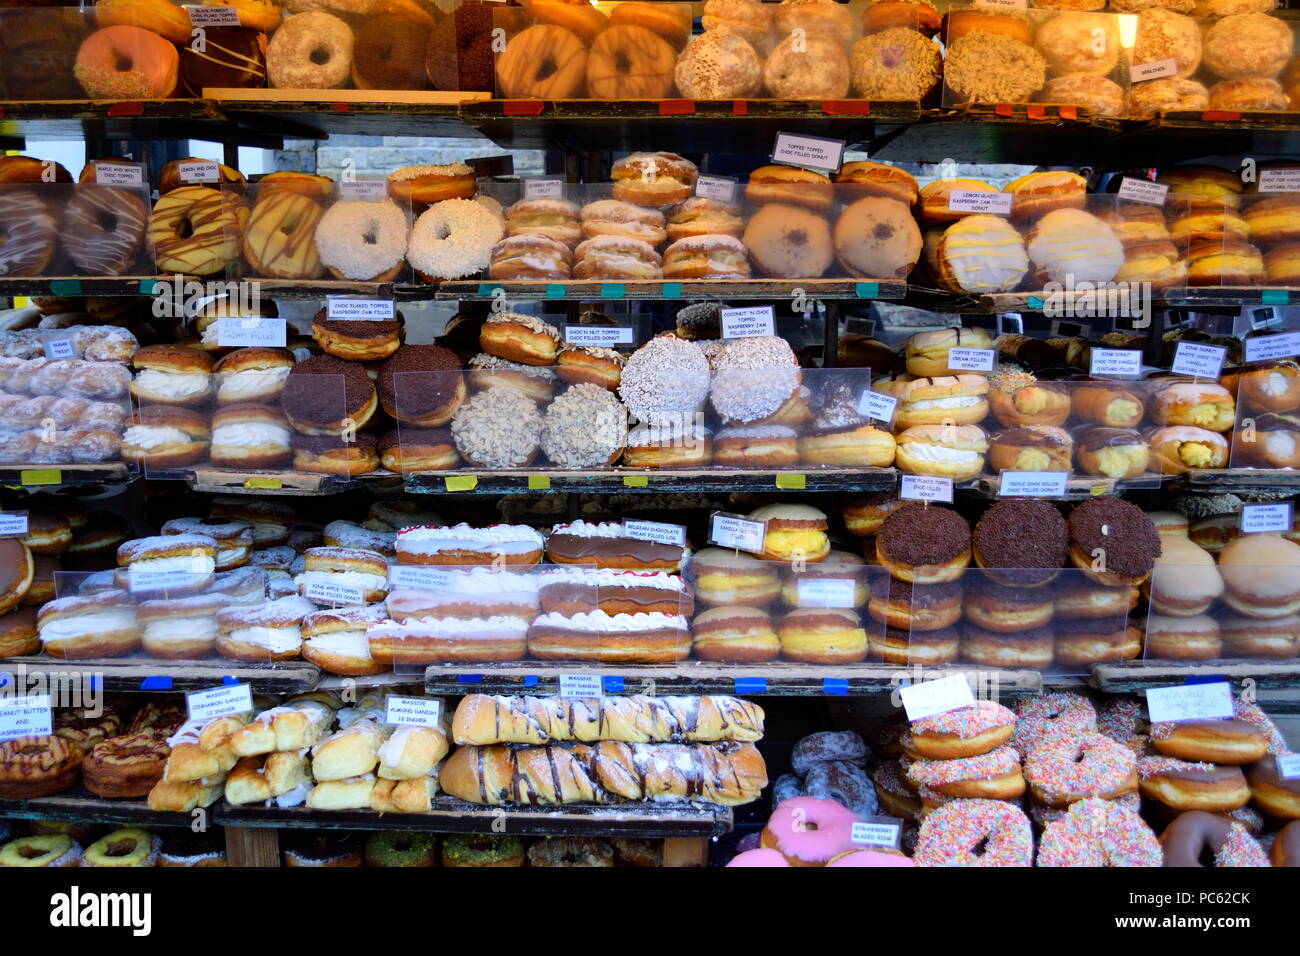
(426, 185)
(178, 563)
(1210, 741)
(99, 625)
(994, 775)
(964, 732)
(793, 532)
(324, 395)
(735, 635)
(357, 340)
(653, 179)
(262, 632)
(363, 241)
(1182, 785)
(180, 628)
(336, 640)
(310, 51)
(722, 577)
(1204, 405)
(1063, 770)
(611, 217)
(553, 218)
(975, 833)
(38, 766)
(353, 568)
(823, 636)
(1197, 838)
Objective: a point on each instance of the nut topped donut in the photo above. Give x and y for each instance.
(520, 338)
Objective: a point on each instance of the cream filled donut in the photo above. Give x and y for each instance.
(336, 640)
(453, 239)
(463, 544)
(365, 241)
(572, 590)
(347, 569)
(182, 628)
(610, 638)
(177, 563)
(246, 585)
(349, 534)
(98, 625)
(263, 632)
(234, 538)
(470, 592)
(430, 640)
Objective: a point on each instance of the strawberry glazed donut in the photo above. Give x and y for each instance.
(808, 831)
(992, 776)
(759, 857)
(975, 833)
(870, 858)
(1065, 769)
(964, 732)
(1040, 717)
(1096, 832)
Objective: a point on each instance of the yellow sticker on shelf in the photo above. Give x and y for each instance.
(267, 483)
(635, 481)
(1097, 490)
(461, 482)
(539, 482)
(792, 482)
(21, 301)
(41, 476)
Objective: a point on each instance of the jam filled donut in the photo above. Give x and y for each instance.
(426, 185)
(1181, 785)
(520, 338)
(964, 732)
(1063, 770)
(808, 831)
(1197, 838)
(975, 833)
(1096, 832)
(357, 340)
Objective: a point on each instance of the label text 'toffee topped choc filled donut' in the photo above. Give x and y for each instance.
(810, 152)
(219, 701)
(25, 717)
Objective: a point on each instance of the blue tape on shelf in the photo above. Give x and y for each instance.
(866, 290)
(488, 290)
(1274, 296)
(611, 290)
(6, 678)
(229, 680)
(835, 686)
(469, 678)
(1034, 302)
(751, 685)
(157, 682)
(612, 684)
(530, 680)
(1205, 679)
(670, 290)
(556, 290)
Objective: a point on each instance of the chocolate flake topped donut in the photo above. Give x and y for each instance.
(1121, 530)
(308, 397)
(419, 394)
(1024, 535)
(924, 535)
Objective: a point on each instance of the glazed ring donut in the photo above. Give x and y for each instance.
(104, 229)
(51, 849)
(28, 233)
(543, 62)
(1196, 835)
(310, 51)
(279, 238)
(128, 846)
(195, 231)
(975, 833)
(808, 831)
(1211, 741)
(1066, 769)
(38, 766)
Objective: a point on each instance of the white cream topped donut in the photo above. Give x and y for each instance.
(172, 386)
(462, 544)
(431, 640)
(469, 592)
(187, 560)
(612, 638)
(599, 622)
(267, 631)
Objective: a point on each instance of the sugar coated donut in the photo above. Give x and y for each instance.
(964, 732)
(975, 833)
(1096, 832)
(759, 857)
(808, 831)
(1064, 769)
(364, 241)
(1047, 714)
(453, 239)
(310, 51)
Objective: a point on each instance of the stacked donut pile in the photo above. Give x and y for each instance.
(58, 843)
(829, 765)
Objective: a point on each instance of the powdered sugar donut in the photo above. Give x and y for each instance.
(1096, 832)
(365, 241)
(808, 831)
(349, 534)
(453, 239)
(952, 835)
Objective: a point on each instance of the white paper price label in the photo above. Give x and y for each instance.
(236, 332)
(1264, 348)
(13, 524)
(733, 531)
(827, 592)
(412, 711)
(361, 310)
(813, 152)
(1190, 702)
(716, 187)
(363, 190)
(60, 349)
(1033, 484)
(1257, 519)
(1154, 70)
(198, 171)
(1143, 191)
(1114, 363)
(971, 360)
(747, 322)
(925, 488)
(25, 717)
(429, 579)
(581, 685)
(543, 188)
(1198, 360)
(604, 336)
(1288, 766)
(936, 696)
(656, 531)
(219, 701)
(875, 834)
(146, 581)
(877, 405)
(119, 174)
(1279, 181)
(323, 592)
(978, 201)
(213, 16)
(1004, 4)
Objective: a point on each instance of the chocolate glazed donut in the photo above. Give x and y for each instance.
(1194, 838)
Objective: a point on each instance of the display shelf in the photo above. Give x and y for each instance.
(427, 113)
(283, 481)
(1130, 677)
(685, 290)
(1076, 489)
(50, 476)
(776, 678)
(618, 481)
(1244, 481)
(128, 120)
(79, 804)
(120, 674)
(449, 815)
(78, 285)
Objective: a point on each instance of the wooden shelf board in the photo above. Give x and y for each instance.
(138, 674)
(80, 804)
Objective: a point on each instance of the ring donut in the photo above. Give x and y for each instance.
(544, 62)
(104, 229)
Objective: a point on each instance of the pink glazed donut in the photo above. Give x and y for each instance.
(808, 831)
(759, 858)
(870, 858)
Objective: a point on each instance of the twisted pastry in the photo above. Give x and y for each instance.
(726, 773)
(483, 719)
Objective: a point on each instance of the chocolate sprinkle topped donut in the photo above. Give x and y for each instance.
(1022, 534)
(1121, 529)
(419, 394)
(319, 401)
(924, 535)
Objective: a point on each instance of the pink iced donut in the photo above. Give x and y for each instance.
(808, 831)
(870, 858)
(759, 858)
(975, 833)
